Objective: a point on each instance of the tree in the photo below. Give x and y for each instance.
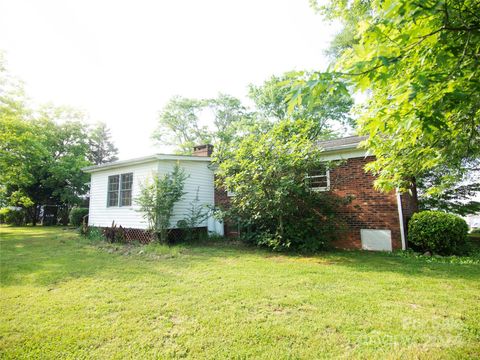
(42, 152)
(329, 112)
(267, 172)
(157, 199)
(418, 63)
(102, 149)
(180, 122)
(179, 125)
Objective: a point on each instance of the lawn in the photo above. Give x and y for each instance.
(65, 297)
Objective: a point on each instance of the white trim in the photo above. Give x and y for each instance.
(324, 188)
(400, 219)
(142, 160)
(344, 155)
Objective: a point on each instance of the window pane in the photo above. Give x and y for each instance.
(113, 182)
(126, 189)
(113, 198)
(113, 186)
(126, 199)
(318, 178)
(318, 182)
(127, 180)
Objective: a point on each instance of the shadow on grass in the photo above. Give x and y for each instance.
(43, 258)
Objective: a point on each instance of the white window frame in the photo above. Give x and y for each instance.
(119, 191)
(322, 188)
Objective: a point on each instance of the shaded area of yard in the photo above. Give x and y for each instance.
(62, 296)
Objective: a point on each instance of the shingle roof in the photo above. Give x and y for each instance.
(343, 143)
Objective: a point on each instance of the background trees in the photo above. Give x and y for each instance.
(224, 120)
(102, 149)
(42, 152)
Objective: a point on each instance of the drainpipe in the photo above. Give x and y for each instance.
(400, 219)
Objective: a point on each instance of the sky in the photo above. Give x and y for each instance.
(121, 61)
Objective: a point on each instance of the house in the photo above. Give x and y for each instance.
(114, 187)
(374, 220)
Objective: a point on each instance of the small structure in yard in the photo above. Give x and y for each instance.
(375, 220)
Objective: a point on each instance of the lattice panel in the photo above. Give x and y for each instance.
(140, 235)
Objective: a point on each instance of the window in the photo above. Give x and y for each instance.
(113, 186)
(319, 179)
(126, 190)
(120, 190)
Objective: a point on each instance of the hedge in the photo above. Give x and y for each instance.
(438, 232)
(76, 215)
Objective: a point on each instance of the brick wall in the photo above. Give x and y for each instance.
(369, 209)
(222, 200)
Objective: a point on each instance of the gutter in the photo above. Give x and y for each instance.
(400, 219)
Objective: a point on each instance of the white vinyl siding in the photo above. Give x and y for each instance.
(128, 216)
(199, 176)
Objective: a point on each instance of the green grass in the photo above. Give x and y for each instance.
(65, 297)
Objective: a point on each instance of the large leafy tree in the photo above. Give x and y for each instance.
(41, 151)
(418, 62)
(185, 122)
(42, 161)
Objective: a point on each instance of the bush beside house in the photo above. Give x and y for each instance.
(77, 214)
(438, 232)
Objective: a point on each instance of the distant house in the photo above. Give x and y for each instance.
(375, 220)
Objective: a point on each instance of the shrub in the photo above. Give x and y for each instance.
(76, 215)
(438, 232)
(12, 216)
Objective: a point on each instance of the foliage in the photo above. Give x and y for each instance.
(272, 199)
(12, 216)
(180, 121)
(42, 152)
(77, 214)
(332, 108)
(94, 234)
(158, 197)
(196, 215)
(473, 259)
(438, 232)
(114, 233)
(102, 149)
(458, 198)
(418, 64)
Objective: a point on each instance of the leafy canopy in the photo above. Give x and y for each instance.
(418, 63)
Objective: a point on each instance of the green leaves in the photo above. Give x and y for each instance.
(267, 171)
(419, 65)
(158, 197)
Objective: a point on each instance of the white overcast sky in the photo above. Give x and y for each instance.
(121, 61)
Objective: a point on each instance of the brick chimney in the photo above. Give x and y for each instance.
(203, 150)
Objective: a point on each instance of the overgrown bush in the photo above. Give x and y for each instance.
(274, 203)
(438, 232)
(76, 215)
(12, 216)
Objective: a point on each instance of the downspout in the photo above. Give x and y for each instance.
(400, 219)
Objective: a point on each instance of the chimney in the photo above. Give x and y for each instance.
(203, 150)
